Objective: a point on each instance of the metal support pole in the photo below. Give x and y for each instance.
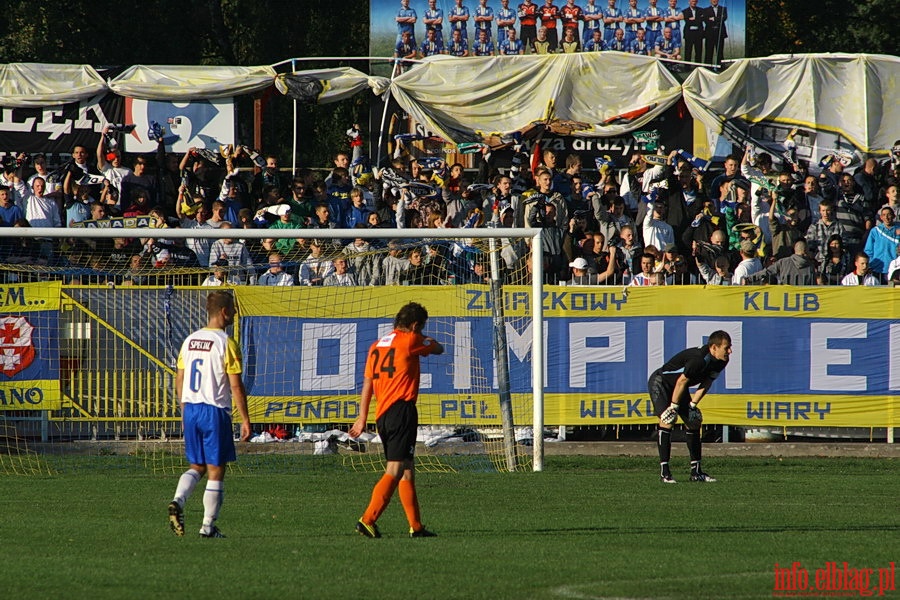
(537, 346)
(501, 355)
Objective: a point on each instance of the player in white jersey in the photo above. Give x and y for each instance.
(208, 380)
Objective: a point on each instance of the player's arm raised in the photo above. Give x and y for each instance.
(437, 348)
(101, 148)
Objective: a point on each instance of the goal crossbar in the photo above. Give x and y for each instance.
(260, 234)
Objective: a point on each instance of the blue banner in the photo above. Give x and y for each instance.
(820, 356)
(29, 347)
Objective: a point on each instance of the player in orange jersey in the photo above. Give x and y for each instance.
(392, 375)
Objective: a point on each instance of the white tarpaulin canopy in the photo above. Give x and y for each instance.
(173, 82)
(34, 85)
(853, 96)
(604, 94)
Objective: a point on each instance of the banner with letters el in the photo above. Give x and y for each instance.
(29, 346)
(826, 357)
(202, 123)
(59, 128)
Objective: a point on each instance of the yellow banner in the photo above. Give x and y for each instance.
(745, 301)
(33, 394)
(364, 302)
(670, 301)
(483, 410)
(732, 409)
(29, 297)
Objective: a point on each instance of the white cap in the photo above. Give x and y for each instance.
(579, 263)
(279, 209)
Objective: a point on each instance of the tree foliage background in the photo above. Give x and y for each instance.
(107, 33)
(807, 26)
(121, 33)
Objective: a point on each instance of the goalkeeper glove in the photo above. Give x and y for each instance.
(670, 415)
(695, 417)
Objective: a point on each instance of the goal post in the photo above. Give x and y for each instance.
(468, 394)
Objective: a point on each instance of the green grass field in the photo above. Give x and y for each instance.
(586, 527)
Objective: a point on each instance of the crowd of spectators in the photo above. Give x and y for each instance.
(659, 220)
(692, 33)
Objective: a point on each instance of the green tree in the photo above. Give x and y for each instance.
(262, 33)
(121, 33)
(784, 27)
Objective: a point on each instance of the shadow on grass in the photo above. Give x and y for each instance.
(712, 529)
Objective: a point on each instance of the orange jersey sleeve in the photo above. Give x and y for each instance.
(393, 367)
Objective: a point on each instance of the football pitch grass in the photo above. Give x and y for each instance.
(585, 527)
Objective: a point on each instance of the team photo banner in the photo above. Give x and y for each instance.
(29, 346)
(801, 356)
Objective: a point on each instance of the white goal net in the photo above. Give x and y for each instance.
(310, 303)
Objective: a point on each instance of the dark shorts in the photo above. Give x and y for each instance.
(661, 396)
(553, 37)
(527, 32)
(208, 435)
(397, 428)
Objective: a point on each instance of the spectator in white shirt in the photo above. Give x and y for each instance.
(656, 231)
(749, 263)
(341, 276)
(276, 274)
(861, 274)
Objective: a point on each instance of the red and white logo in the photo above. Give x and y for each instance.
(16, 347)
